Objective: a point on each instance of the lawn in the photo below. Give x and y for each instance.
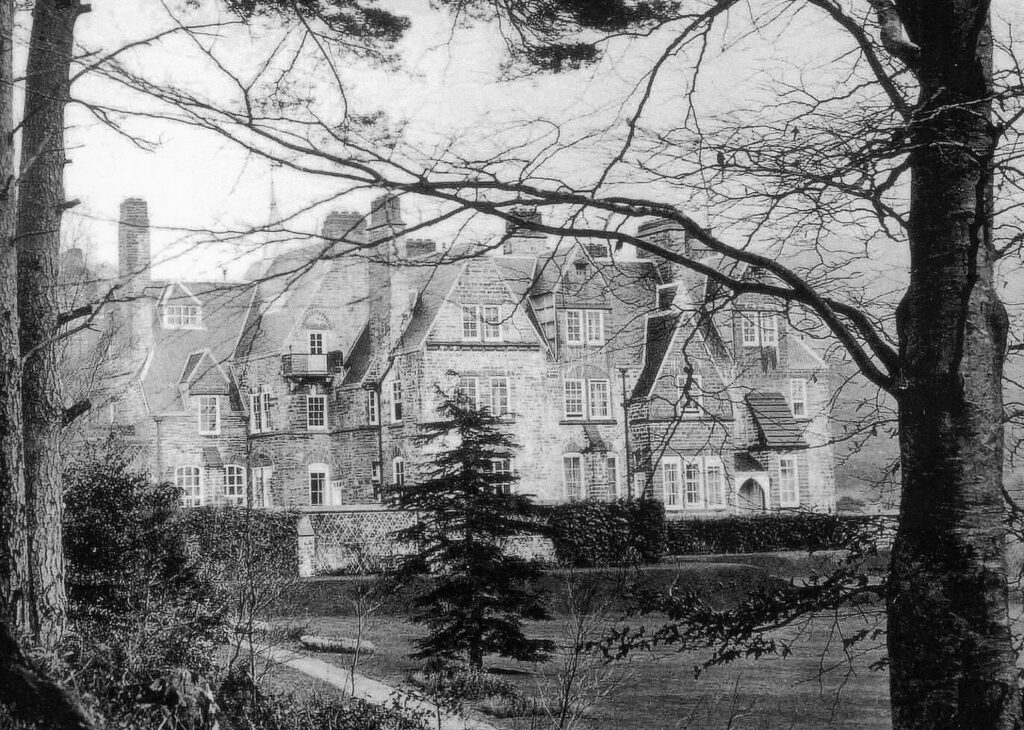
(818, 685)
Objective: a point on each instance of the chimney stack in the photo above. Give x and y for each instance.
(345, 229)
(521, 241)
(386, 219)
(133, 250)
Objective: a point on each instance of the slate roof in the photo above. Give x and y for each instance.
(744, 461)
(179, 356)
(431, 296)
(359, 359)
(776, 427)
(660, 329)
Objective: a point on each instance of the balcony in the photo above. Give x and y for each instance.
(303, 365)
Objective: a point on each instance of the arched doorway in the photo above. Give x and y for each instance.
(752, 496)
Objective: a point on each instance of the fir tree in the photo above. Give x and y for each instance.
(468, 512)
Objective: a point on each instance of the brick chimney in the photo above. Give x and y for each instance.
(134, 261)
(386, 219)
(347, 228)
(521, 241)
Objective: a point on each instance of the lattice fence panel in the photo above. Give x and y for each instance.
(358, 542)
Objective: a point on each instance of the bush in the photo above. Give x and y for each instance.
(760, 533)
(591, 533)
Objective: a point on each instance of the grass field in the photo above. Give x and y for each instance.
(818, 685)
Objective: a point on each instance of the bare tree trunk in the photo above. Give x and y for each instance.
(40, 207)
(949, 639)
(13, 528)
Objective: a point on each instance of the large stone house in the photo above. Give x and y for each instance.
(305, 386)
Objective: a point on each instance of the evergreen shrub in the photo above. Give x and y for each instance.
(591, 533)
(760, 533)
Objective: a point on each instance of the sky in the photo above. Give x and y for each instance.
(444, 88)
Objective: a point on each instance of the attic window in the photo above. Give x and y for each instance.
(183, 316)
(581, 266)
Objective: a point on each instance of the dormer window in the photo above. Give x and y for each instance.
(183, 316)
(209, 415)
(759, 329)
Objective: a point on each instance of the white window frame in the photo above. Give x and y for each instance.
(574, 334)
(505, 466)
(375, 472)
(469, 388)
(798, 397)
(769, 326)
(372, 407)
(470, 323)
(397, 411)
(268, 422)
(316, 343)
(672, 481)
(789, 487)
(255, 413)
(398, 471)
(260, 477)
(189, 479)
(710, 464)
(324, 483)
(183, 317)
(612, 465)
(594, 323)
(312, 398)
(693, 483)
(575, 383)
(499, 388)
(202, 401)
(595, 387)
(567, 461)
(234, 484)
(491, 323)
(750, 329)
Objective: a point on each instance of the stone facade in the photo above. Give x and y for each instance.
(306, 387)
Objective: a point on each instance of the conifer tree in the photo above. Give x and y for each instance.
(468, 513)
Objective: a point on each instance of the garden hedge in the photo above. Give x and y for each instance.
(591, 533)
(760, 533)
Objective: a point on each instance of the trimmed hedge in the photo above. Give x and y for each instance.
(761, 533)
(591, 533)
(235, 543)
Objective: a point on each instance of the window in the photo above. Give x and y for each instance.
(234, 484)
(189, 479)
(375, 472)
(572, 474)
(574, 327)
(573, 399)
(599, 399)
(268, 424)
(470, 323)
(670, 467)
(398, 471)
(261, 485)
(714, 483)
(503, 468)
(798, 396)
(316, 343)
(372, 407)
(317, 484)
(748, 327)
(396, 401)
(316, 412)
(259, 412)
(613, 474)
(789, 486)
(467, 389)
(691, 394)
(499, 396)
(209, 414)
(492, 324)
(595, 326)
(769, 329)
(691, 483)
(183, 316)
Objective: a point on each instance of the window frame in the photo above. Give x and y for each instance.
(673, 494)
(268, 422)
(199, 495)
(490, 327)
(469, 388)
(201, 407)
(324, 472)
(239, 482)
(182, 317)
(471, 323)
(716, 463)
(580, 338)
(693, 465)
(795, 478)
(567, 459)
(322, 400)
(750, 328)
(398, 471)
(373, 407)
(376, 472)
(589, 316)
(397, 410)
(801, 401)
(591, 400)
(581, 384)
(773, 327)
(316, 343)
(255, 413)
(612, 468)
(693, 406)
(506, 386)
(260, 476)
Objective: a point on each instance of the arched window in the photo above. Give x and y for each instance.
(318, 484)
(234, 484)
(189, 479)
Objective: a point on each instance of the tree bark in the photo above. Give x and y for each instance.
(40, 207)
(13, 528)
(952, 661)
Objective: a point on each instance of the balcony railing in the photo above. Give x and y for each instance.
(299, 364)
